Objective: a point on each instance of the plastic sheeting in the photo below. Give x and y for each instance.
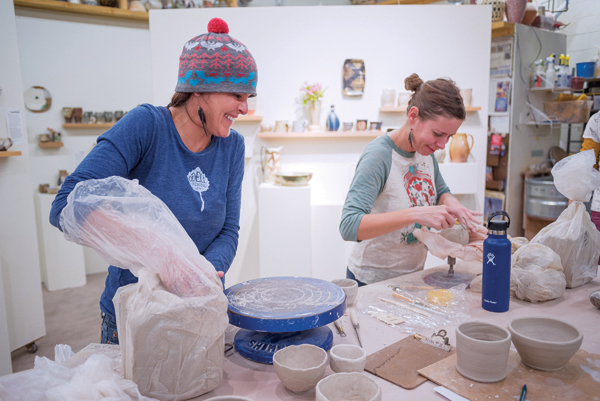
(171, 323)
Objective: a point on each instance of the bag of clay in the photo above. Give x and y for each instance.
(172, 322)
(573, 236)
(516, 243)
(536, 274)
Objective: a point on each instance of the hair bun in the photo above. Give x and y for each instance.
(413, 83)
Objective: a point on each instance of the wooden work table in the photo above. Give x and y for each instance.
(260, 383)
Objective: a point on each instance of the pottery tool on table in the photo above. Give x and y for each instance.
(418, 304)
(410, 287)
(392, 320)
(275, 312)
(398, 363)
(523, 393)
(354, 319)
(438, 340)
(405, 306)
(339, 327)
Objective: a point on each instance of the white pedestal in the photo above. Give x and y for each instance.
(329, 254)
(5, 359)
(284, 230)
(61, 261)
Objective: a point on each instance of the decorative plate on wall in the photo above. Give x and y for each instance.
(354, 77)
(37, 99)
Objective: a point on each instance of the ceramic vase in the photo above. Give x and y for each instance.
(482, 351)
(333, 122)
(314, 110)
(515, 10)
(498, 9)
(388, 96)
(460, 148)
(270, 162)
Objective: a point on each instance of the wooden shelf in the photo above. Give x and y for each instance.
(247, 118)
(51, 145)
(100, 11)
(554, 90)
(403, 109)
(87, 126)
(404, 2)
(330, 134)
(503, 28)
(7, 153)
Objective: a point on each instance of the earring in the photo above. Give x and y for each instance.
(410, 137)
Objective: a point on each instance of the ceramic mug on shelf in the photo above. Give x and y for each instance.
(375, 126)
(78, 114)
(270, 162)
(5, 143)
(266, 127)
(361, 125)
(67, 113)
(387, 97)
(281, 126)
(87, 117)
(347, 126)
(99, 117)
(108, 116)
(403, 99)
(118, 115)
(467, 95)
(44, 138)
(299, 125)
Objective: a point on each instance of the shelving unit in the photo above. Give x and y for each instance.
(87, 126)
(403, 109)
(99, 11)
(248, 118)
(51, 145)
(330, 134)
(502, 29)
(7, 153)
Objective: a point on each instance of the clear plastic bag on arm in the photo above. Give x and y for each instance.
(573, 236)
(442, 248)
(172, 322)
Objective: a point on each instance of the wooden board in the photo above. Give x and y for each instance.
(399, 362)
(578, 380)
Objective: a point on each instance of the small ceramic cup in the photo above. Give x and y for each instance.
(350, 287)
(44, 138)
(67, 114)
(375, 126)
(347, 126)
(99, 117)
(348, 386)
(466, 94)
(361, 125)
(5, 143)
(482, 351)
(266, 127)
(281, 126)
(78, 114)
(347, 358)
(299, 125)
(118, 115)
(403, 99)
(87, 117)
(300, 367)
(108, 116)
(387, 97)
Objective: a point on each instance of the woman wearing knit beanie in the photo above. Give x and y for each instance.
(397, 187)
(186, 154)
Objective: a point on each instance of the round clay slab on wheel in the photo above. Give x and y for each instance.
(284, 304)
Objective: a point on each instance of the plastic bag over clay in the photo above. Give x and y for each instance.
(172, 322)
(442, 247)
(536, 274)
(573, 236)
(94, 380)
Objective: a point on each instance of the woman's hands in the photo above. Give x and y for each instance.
(437, 217)
(465, 215)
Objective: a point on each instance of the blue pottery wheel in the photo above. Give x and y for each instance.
(276, 312)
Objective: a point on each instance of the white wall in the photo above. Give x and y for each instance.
(18, 244)
(99, 67)
(583, 32)
(311, 43)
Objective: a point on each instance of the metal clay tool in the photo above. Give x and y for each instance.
(418, 304)
(405, 306)
(354, 319)
(438, 340)
(338, 325)
(411, 287)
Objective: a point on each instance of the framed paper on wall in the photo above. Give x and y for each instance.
(354, 77)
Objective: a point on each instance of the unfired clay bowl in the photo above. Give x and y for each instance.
(350, 287)
(300, 367)
(348, 386)
(347, 358)
(482, 351)
(544, 343)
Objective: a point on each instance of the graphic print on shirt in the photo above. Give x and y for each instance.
(421, 192)
(199, 182)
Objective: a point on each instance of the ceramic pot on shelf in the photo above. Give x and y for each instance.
(314, 110)
(460, 148)
(498, 8)
(270, 162)
(515, 10)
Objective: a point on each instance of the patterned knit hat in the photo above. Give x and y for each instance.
(216, 62)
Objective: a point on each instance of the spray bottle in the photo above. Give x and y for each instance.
(561, 73)
(550, 72)
(568, 74)
(495, 289)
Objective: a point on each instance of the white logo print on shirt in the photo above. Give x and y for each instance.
(199, 182)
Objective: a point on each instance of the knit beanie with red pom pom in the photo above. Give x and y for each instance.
(216, 62)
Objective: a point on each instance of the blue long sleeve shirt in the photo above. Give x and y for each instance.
(146, 146)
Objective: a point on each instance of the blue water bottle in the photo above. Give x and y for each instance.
(495, 292)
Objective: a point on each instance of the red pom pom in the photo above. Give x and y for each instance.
(217, 25)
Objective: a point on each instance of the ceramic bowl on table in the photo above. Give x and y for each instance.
(292, 179)
(300, 367)
(350, 287)
(347, 358)
(348, 386)
(544, 343)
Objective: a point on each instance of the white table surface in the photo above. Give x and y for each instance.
(259, 381)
